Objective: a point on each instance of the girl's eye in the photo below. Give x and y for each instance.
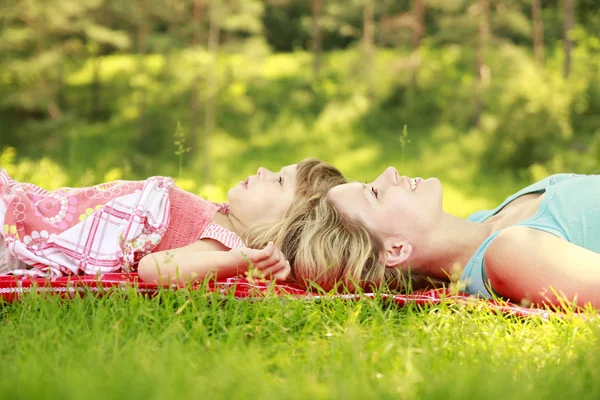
(280, 180)
(375, 191)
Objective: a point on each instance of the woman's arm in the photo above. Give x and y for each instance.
(207, 257)
(526, 264)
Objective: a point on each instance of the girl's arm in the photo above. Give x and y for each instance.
(539, 267)
(207, 257)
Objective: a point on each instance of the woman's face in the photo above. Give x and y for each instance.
(265, 196)
(395, 208)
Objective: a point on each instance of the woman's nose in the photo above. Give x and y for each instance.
(392, 174)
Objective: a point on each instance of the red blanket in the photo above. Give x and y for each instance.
(12, 288)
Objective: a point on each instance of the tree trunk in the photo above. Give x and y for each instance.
(568, 22)
(48, 89)
(60, 95)
(418, 12)
(142, 34)
(170, 33)
(214, 32)
(538, 32)
(95, 89)
(483, 74)
(96, 57)
(368, 37)
(317, 41)
(198, 14)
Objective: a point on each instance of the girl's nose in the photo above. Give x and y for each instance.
(263, 172)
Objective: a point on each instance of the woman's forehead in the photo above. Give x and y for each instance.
(350, 197)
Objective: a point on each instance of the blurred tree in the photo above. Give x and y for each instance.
(316, 38)
(144, 25)
(368, 44)
(214, 30)
(196, 43)
(100, 39)
(40, 42)
(483, 71)
(396, 23)
(174, 29)
(286, 27)
(418, 31)
(538, 31)
(30, 47)
(568, 24)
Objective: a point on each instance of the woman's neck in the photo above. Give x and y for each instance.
(450, 246)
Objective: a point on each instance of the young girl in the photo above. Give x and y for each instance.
(540, 245)
(173, 235)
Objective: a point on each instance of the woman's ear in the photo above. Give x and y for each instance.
(397, 253)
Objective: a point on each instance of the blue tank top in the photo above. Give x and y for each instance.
(570, 210)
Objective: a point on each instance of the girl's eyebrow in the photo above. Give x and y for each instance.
(366, 193)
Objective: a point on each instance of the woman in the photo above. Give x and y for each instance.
(540, 245)
(173, 235)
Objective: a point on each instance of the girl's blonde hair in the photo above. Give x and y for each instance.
(330, 250)
(313, 177)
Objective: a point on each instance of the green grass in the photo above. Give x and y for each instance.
(199, 345)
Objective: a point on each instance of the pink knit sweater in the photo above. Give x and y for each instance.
(190, 219)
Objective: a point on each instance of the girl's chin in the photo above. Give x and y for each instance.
(234, 192)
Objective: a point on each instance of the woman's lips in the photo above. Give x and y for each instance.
(418, 182)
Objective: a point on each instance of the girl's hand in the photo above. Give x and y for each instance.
(270, 261)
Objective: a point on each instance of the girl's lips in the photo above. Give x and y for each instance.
(245, 183)
(418, 182)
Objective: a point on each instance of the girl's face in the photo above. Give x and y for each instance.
(265, 196)
(395, 208)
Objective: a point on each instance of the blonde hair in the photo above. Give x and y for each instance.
(313, 177)
(328, 249)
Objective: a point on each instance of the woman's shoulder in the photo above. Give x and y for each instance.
(523, 259)
(539, 185)
(478, 216)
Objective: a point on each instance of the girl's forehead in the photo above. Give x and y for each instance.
(289, 169)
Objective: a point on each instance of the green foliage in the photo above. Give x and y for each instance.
(84, 99)
(271, 113)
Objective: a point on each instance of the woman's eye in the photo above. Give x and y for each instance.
(280, 180)
(375, 191)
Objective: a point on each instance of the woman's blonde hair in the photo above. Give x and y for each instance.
(328, 249)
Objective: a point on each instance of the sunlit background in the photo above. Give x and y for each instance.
(487, 95)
